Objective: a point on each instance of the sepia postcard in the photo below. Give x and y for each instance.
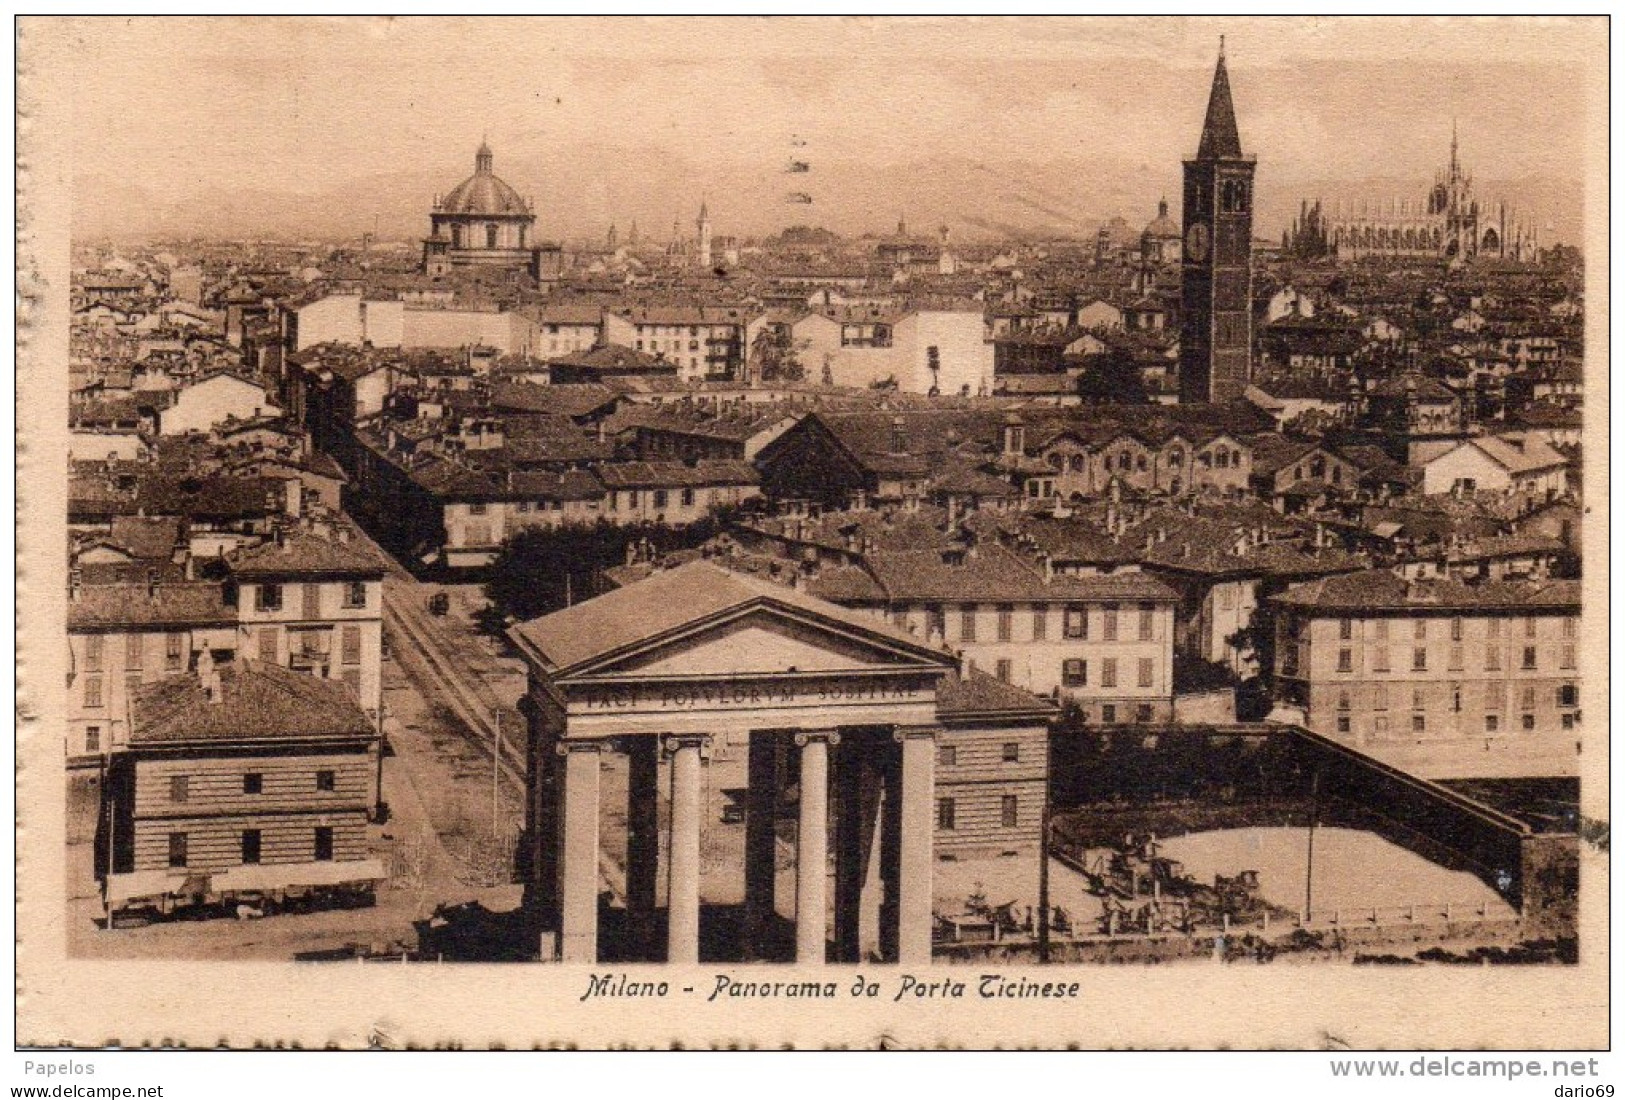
(803, 532)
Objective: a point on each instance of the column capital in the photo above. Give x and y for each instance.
(912, 733)
(672, 742)
(806, 737)
(565, 748)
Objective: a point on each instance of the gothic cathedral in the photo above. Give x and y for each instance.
(1216, 327)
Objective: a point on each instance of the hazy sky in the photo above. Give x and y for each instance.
(182, 107)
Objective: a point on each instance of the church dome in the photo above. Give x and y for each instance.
(1162, 226)
(483, 193)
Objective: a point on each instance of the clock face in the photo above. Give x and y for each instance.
(1196, 242)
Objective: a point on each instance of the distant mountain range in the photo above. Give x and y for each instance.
(580, 191)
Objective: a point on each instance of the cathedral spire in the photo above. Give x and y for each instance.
(1220, 137)
(1455, 167)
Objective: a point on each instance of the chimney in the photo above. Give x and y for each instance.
(1049, 568)
(898, 444)
(76, 582)
(965, 665)
(152, 584)
(209, 677)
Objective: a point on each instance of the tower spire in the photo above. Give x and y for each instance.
(1455, 165)
(1220, 138)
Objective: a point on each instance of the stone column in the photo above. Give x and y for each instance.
(642, 843)
(578, 869)
(812, 845)
(918, 826)
(683, 905)
(891, 830)
(761, 810)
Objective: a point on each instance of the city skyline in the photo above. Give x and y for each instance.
(1078, 124)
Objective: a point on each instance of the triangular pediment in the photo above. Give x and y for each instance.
(769, 640)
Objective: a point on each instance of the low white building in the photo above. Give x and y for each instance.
(204, 404)
(1512, 463)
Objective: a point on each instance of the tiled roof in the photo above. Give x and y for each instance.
(147, 536)
(981, 695)
(1376, 590)
(258, 702)
(117, 606)
(630, 475)
(568, 400)
(307, 553)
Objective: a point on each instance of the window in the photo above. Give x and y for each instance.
(93, 691)
(133, 646)
(688, 498)
(1566, 659)
(1379, 630)
(945, 814)
(94, 644)
(1419, 699)
(476, 509)
(1420, 629)
(1419, 659)
(173, 652)
(1109, 632)
(1380, 726)
(324, 843)
(660, 498)
(1108, 672)
(1569, 627)
(1343, 700)
(1344, 725)
(1492, 658)
(967, 624)
(1010, 752)
(1528, 698)
(947, 755)
(1379, 697)
(1006, 619)
(1455, 658)
(1419, 723)
(1528, 656)
(1147, 675)
(253, 783)
(1001, 669)
(1076, 624)
(268, 645)
(1143, 712)
(1108, 713)
(268, 597)
(1528, 722)
(1529, 627)
(1455, 630)
(326, 780)
(1007, 811)
(1495, 628)
(1568, 695)
(1074, 673)
(1568, 721)
(1345, 660)
(93, 739)
(179, 787)
(1379, 659)
(1148, 621)
(1455, 697)
(177, 849)
(350, 645)
(936, 623)
(355, 592)
(1040, 624)
(251, 845)
(351, 678)
(1492, 723)
(1227, 598)
(310, 601)
(1345, 629)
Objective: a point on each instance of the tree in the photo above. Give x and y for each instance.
(1112, 378)
(777, 357)
(542, 570)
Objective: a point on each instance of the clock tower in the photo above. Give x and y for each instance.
(1216, 293)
